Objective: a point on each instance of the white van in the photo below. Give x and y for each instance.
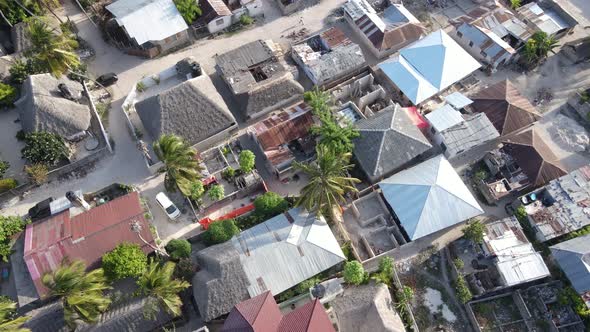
(171, 210)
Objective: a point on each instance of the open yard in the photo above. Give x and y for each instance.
(10, 147)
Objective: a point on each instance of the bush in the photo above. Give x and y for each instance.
(179, 248)
(126, 260)
(270, 204)
(354, 273)
(7, 184)
(4, 166)
(189, 10)
(474, 231)
(140, 87)
(385, 271)
(185, 270)
(221, 231)
(20, 70)
(228, 173)
(459, 264)
(247, 161)
(196, 190)
(480, 175)
(37, 173)
(9, 226)
(305, 285)
(246, 19)
(7, 94)
(463, 292)
(568, 296)
(216, 192)
(44, 148)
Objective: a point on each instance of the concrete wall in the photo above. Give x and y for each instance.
(219, 24)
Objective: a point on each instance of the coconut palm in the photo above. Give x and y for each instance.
(51, 47)
(82, 293)
(7, 320)
(158, 284)
(328, 181)
(538, 47)
(180, 163)
(318, 100)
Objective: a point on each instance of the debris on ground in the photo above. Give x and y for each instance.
(568, 134)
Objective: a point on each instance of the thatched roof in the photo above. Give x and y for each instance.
(367, 308)
(273, 94)
(193, 110)
(42, 107)
(221, 283)
(505, 106)
(534, 156)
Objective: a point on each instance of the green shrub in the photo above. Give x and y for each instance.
(140, 87)
(270, 204)
(354, 273)
(229, 173)
(246, 19)
(126, 260)
(221, 231)
(4, 166)
(20, 70)
(179, 248)
(216, 192)
(463, 292)
(474, 231)
(305, 285)
(480, 175)
(9, 226)
(189, 10)
(459, 264)
(196, 190)
(7, 94)
(385, 271)
(7, 184)
(247, 161)
(44, 148)
(185, 270)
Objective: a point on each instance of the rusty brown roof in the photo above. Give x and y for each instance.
(534, 156)
(285, 126)
(506, 108)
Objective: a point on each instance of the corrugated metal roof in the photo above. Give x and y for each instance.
(475, 130)
(429, 197)
(573, 257)
(294, 251)
(458, 100)
(284, 126)
(444, 118)
(148, 20)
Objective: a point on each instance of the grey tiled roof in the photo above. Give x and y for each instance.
(388, 141)
(573, 257)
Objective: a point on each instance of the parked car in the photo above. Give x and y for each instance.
(107, 79)
(166, 204)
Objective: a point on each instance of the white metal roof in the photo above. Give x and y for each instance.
(444, 118)
(458, 100)
(148, 20)
(429, 197)
(277, 254)
(436, 59)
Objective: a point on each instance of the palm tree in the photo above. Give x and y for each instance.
(180, 163)
(7, 320)
(328, 181)
(158, 284)
(318, 100)
(51, 47)
(545, 43)
(82, 293)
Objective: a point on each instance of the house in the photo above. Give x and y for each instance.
(429, 197)
(505, 106)
(237, 270)
(547, 16)
(524, 161)
(56, 105)
(328, 56)
(125, 316)
(385, 33)
(367, 308)
(284, 138)
(193, 110)
(561, 206)
(388, 141)
(80, 233)
(259, 80)
(515, 259)
(261, 314)
(491, 33)
(457, 134)
(218, 15)
(573, 256)
(428, 66)
(148, 27)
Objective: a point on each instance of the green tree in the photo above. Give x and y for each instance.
(126, 260)
(462, 289)
(179, 248)
(180, 162)
(7, 94)
(474, 231)
(81, 293)
(328, 181)
(319, 100)
(305, 285)
(53, 49)
(196, 190)
(185, 269)
(538, 47)
(216, 192)
(9, 322)
(4, 166)
(245, 19)
(269, 205)
(335, 137)
(189, 10)
(44, 148)
(354, 273)
(9, 226)
(514, 4)
(247, 161)
(221, 231)
(159, 285)
(385, 271)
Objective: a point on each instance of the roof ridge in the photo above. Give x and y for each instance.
(380, 151)
(260, 308)
(311, 315)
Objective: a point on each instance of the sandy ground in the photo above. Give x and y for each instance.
(11, 147)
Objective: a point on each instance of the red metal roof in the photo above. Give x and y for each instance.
(86, 236)
(284, 127)
(311, 317)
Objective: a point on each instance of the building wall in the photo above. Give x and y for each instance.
(219, 24)
(172, 41)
